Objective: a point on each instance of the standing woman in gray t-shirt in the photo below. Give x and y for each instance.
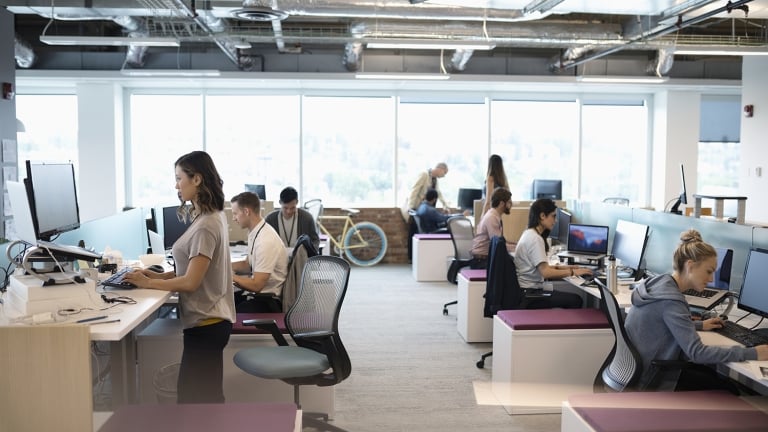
(203, 279)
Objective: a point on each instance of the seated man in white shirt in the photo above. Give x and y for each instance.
(265, 270)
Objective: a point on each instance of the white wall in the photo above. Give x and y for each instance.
(100, 156)
(754, 145)
(675, 141)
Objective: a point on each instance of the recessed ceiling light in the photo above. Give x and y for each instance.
(401, 76)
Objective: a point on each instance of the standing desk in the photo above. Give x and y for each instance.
(122, 338)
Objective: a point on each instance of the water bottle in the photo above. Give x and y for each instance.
(611, 273)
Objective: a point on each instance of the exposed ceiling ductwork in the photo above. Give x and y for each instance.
(576, 31)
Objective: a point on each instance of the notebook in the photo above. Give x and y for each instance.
(588, 242)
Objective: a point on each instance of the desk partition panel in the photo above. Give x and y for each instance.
(665, 234)
(125, 231)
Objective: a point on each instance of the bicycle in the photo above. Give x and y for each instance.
(363, 243)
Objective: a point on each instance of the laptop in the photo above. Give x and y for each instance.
(586, 242)
(717, 290)
(156, 243)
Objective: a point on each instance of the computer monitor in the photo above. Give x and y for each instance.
(542, 188)
(753, 296)
(589, 239)
(683, 198)
(629, 241)
(173, 228)
(467, 198)
(560, 230)
(52, 196)
(259, 190)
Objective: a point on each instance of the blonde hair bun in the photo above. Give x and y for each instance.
(690, 236)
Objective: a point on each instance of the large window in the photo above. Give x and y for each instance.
(50, 123)
(162, 128)
(254, 140)
(347, 145)
(613, 157)
(454, 133)
(536, 140)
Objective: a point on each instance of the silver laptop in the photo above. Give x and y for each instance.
(716, 290)
(156, 243)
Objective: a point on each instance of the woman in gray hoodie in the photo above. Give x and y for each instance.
(659, 323)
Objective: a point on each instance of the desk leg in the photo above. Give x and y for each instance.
(697, 207)
(123, 371)
(741, 210)
(719, 208)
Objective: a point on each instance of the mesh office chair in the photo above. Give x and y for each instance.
(462, 232)
(319, 357)
(622, 369)
(417, 220)
(315, 208)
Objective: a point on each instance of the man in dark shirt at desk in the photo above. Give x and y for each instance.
(432, 220)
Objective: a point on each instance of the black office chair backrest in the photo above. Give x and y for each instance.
(462, 232)
(417, 221)
(502, 288)
(303, 250)
(623, 366)
(316, 312)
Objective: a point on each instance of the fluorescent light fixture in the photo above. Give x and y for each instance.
(429, 44)
(402, 76)
(109, 41)
(722, 51)
(622, 80)
(540, 6)
(243, 45)
(171, 72)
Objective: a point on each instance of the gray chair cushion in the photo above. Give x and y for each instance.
(281, 362)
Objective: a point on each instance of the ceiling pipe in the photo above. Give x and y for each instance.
(459, 60)
(681, 24)
(662, 63)
(353, 51)
(23, 52)
(135, 27)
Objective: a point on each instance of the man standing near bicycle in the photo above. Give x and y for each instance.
(426, 180)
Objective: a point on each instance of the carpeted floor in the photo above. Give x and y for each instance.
(411, 371)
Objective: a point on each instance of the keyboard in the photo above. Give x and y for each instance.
(116, 280)
(741, 334)
(707, 293)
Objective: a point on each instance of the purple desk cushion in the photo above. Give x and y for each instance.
(553, 319)
(432, 236)
(230, 417)
(473, 275)
(666, 411)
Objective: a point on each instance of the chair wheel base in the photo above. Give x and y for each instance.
(445, 311)
(481, 364)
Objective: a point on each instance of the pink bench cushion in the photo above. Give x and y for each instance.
(553, 319)
(432, 236)
(473, 275)
(666, 411)
(239, 328)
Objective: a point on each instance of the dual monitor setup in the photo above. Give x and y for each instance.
(540, 188)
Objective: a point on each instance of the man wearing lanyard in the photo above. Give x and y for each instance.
(267, 265)
(291, 222)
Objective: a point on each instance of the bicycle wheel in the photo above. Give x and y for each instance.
(365, 244)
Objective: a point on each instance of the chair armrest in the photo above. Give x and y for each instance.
(268, 325)
(313, 335)
(670, 364)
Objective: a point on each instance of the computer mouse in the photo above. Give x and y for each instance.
(156, 268)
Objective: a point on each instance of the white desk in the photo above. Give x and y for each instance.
(122, 338)
(624, 297)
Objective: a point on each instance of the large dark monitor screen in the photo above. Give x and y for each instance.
(629, 242)
(590, 239)
(259, 190)
(52, 198)
(467, 198)
(173, 228)
(683, 198)
(753, 296)
(542, 188)
(562, 222)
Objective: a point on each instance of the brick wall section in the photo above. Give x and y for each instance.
(389, 219)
